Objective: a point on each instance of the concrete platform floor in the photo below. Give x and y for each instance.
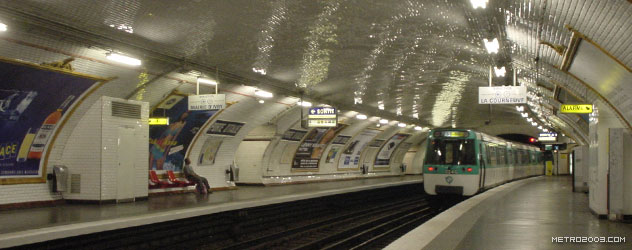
(531, 215)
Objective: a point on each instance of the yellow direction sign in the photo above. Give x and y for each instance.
(158, 121)
(577, 108)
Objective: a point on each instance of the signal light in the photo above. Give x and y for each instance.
(531, 140)
(430, 169)
(469, 169)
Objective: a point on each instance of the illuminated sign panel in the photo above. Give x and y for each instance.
(577, 108)
(543, 137)
(322, 117)
(159, 121)
(207, 102)
(502, 95)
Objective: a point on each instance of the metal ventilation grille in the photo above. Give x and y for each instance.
(75, 183)
(126, 110)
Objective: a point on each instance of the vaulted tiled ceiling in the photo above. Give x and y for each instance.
(422, 59)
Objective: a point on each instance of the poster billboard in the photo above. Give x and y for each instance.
(311, 148)
(168, 144)
(350, 156)
(383, 158)
(34, 103)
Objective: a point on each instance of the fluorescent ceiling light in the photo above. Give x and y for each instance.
(525, 115)
(383, 121)
(491, 46)
(417, 128)
(539, 127)
(545, 130)
(520, 108)
(529, 119)
(479, 3)
(261, 101)
(206, 81)
(123, 59)
(3, 27)
(500, 72)
(361, 117)
(401, 124)
(264, 94)
(305, 104)
(534, 124)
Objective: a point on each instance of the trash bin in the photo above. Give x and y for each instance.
(60, 178)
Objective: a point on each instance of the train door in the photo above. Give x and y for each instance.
(484, 160)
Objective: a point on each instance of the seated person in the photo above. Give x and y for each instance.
(192, 176)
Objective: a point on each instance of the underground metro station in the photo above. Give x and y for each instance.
(338, 124)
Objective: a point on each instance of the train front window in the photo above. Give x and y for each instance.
(451, 152)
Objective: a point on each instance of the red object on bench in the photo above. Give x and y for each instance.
(181, 183)
(157, 183)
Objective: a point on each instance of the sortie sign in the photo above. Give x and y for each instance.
(577, 108)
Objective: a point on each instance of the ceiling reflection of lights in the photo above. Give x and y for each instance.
(123, 59)
(305, 104)
(383, 121)
(262, 101)
(260, 71)
(500, 72)
(520, 108)
(534, 124)
(3, 27)
(545, 130)
(491, 46)
(479, 3)
(539, 127)
(525, 115)
(529, 119)
(401, 124)
(417, 128)
(361, 117)
(264, 94)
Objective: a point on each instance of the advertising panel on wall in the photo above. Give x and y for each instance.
(35, 102)
(350, 157)
(168, 144)
(311, 149)
(383, 158)
(212, 144)
(294, 135)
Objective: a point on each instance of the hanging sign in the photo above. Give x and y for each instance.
(207, 102)
(502, 95)
(547, 137)
(320, 117)
(577, 108)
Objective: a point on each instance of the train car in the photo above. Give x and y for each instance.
(465, 162)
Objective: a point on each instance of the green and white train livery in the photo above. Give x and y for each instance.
(464, 162)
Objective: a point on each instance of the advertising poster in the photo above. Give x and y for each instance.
(294, 135)
(311, 149)
(383, 158)
(168, 144)
(34, 103)
(332, 154)
(209, 150)
(220, 127)
(350, 157)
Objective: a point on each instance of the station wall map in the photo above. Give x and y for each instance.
(168, 144)
(311, 149)
(34, 101)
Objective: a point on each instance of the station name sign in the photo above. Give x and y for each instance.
(547, 137)
(322, 117)
(577, 108)
(207, 102)
(502, 95)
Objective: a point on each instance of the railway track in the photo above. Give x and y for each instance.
(361, 220)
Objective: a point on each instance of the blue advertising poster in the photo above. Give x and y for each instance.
(33, 103)
(168, 144)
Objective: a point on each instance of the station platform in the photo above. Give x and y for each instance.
(525, 214)
(25, 226)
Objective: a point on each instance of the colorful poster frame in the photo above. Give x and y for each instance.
(383, 157)
(31, 115)
(350, 156)
(310, 150)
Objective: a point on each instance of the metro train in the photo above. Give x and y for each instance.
(464, 162)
